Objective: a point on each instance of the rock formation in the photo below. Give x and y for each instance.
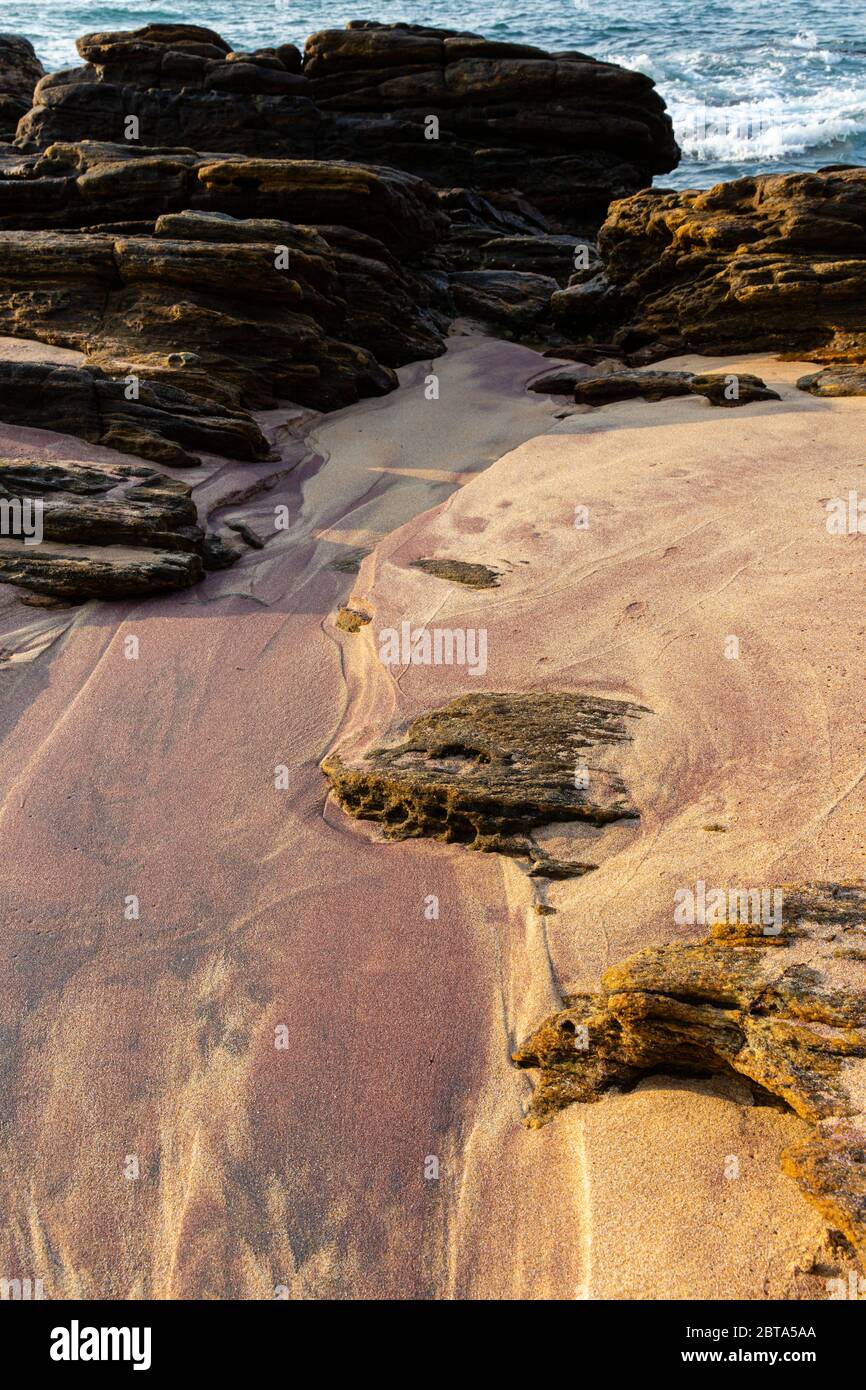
(20, 70)
(784, 1005)
(835, 381)
(109, 530)
(485, 770)
(588, 386)
(776, 262)
(570, 132)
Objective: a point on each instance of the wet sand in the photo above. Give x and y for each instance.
(283, 1040)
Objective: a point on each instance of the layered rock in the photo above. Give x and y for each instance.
(485, 770)
(783, 1004)
(568, 131)
(590, 387)
(767, 263)
(20, 70)
(151, 419)
(835, 381)
(107, 530)
(244, 309)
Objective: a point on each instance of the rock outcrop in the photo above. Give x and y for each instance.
(485, 770)
(588, 387)
(151, 419)
(20, 70)
(835, 381)
(238, 308)
(782, 1004)
(107, 530)
(568, 131)
(219, 231)
(776, 262)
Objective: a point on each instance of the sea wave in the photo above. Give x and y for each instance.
(770, 129)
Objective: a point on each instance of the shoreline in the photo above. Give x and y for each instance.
(467, 992)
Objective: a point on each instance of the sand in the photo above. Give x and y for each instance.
(245, 1090)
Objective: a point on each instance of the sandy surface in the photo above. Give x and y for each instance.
(282, 1041)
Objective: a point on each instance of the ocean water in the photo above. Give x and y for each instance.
(752, 87)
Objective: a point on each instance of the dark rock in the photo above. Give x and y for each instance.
(514, 302)
(109, 530)
(20, 70)
(485, 770)
(569, 132)
(217, 555)
(460, 572)
(162, 423)
(563, 381)
(835, 381)
(731, 390)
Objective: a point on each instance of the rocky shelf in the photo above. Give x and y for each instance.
(485, 770)
(785, 1007)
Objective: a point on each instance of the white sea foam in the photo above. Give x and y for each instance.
(769, 129)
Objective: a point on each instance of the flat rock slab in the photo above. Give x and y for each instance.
(783, 1004)
(485, 770)
(106, 530)
(835, 381)
(460, 572)
(605, 388)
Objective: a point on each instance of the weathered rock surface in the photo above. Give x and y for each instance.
(190, 317)
(20, 70)
(835, 381)
(570, 132)
(782, 1004)
(514, 302)
(485, 770)
(771, 262)
(108, 530)
(162, 423)
(249, 310)
(460, 572)
(588, 387)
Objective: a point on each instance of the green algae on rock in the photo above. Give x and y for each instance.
(786, 1011)
(461, 572)
(486, 769)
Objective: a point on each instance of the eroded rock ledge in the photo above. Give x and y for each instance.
(485, 770)
(110, 530)
(788, 1011)
(570, 131)
(776, 262)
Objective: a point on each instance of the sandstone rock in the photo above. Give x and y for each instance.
(775, 262)
(20, 70)
(485, 770)
(569, 131)
(835, 381)
(108, 530)
(786, 1010)
(588, 386)
(514, 302)
(162, 424)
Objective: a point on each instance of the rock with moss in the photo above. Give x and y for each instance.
(768, 262)
(486, 770)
